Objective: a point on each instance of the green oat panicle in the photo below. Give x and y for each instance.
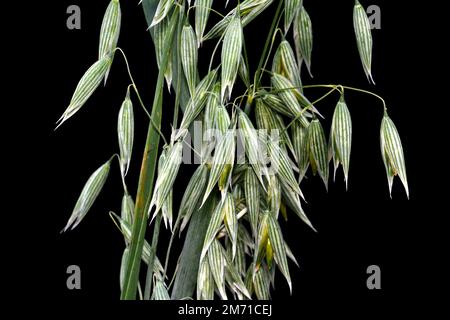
(392, 153)
(110, 31)
(86, 87)
(231, 55)
(88, 195)
(125, 133)
(364, 40)
(341, 138)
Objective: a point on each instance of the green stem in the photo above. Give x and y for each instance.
(264, 56)
(145, 187)
(308, 107)
(151, 259)
(273, 27)
(137, 93)
(348, 88)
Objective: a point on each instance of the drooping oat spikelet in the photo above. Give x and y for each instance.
(251, 145)
(392, 153)
(279, 247)
(196, 103)
(86, 87)
(189, 56)
(162, 10)
(222, 163)
(127, 209)
(160, 291)
(341, 138)
(170, 163)
(205, 282)
(289, 67)
(282, 165)
(299, 141)
(261, 284)
(216, 221)
(90, 192)
(160, 32)
(290, 8)
(217, 265)
(364, 40)
(248, 10)
(318, 151)
(252, 195)
(202, 10)
(125, 132)
(231, 56)
(110, 31)
(305, 37)
(287, 95)
(293, 202)
(193, 194)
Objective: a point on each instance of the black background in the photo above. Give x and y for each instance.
(357, 228)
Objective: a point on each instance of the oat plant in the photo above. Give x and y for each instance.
(261, 135)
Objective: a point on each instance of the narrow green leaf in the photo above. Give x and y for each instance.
(146, 177)
(186, 277)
